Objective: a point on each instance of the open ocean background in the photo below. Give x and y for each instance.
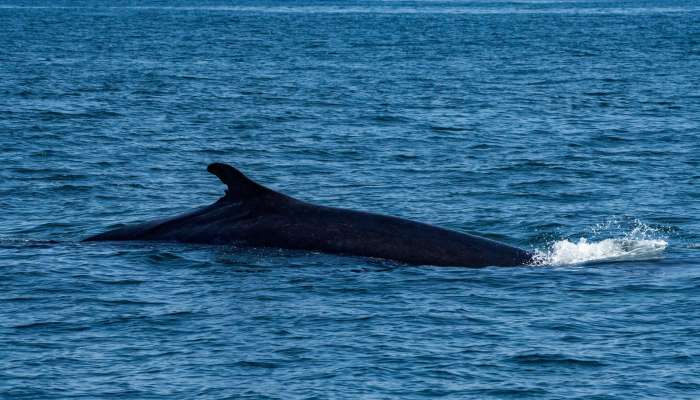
(571, 128)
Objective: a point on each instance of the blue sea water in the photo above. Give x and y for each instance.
(571, 128)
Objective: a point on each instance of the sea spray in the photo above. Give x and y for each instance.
(640, 242)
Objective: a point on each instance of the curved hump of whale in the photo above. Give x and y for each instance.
(254, 215)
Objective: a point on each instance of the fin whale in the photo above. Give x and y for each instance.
(254, 215)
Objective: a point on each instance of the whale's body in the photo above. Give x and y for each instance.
(251, 214)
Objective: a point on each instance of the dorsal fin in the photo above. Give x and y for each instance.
(240, 187)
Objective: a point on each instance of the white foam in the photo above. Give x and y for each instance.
(565, 252)
(640, 243)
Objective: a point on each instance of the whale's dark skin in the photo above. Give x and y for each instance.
(251, 214)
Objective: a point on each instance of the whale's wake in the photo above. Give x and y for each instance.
(565, 252)
(641, 243)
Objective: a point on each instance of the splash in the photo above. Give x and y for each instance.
(640, 243)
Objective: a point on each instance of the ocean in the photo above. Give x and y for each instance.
(568, 128)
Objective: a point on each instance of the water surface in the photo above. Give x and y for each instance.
(568, 128)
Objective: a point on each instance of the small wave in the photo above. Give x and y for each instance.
(26, 243)
(52, 325)
(556, 359)
(636, 245)
(164, 256)
(448, 129)
(97, 114)
(257, 364)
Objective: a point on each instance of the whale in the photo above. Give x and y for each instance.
(250, 214)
